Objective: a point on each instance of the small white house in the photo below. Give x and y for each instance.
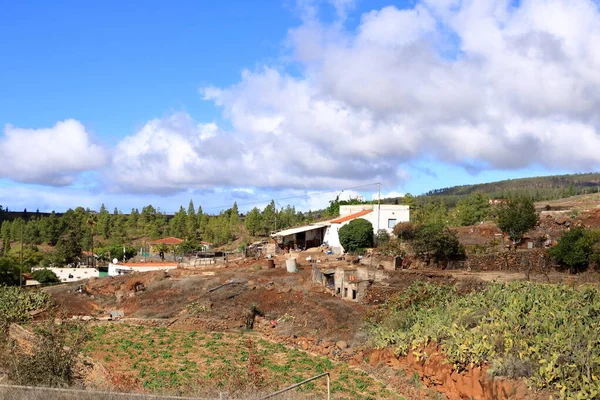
(128, 268)
(382, 217)
(73, 274)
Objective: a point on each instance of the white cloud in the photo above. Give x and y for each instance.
(481, 84)
(53, 156)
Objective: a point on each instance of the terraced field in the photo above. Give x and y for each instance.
(162, 360)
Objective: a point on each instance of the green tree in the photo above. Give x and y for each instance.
(576, 249)
(435, 241)
(253, 221)
(69, 247)
(192, 221)
(234, 218)
(474, 209)
(45, 276)
(516, 217)
(357, 234)
(269, 218)
(178, 225)
(9, 272)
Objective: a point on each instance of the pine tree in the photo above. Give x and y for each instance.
(192, 221)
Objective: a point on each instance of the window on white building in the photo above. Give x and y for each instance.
(391, 222)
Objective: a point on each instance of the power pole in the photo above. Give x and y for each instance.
(378, 204)
(21, 267)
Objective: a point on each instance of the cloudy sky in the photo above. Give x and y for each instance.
(132, 103)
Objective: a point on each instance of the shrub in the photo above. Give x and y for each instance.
(516, 217)
(437, 242)
(358, 234)
(53, 359)
(382, 237)
(404, 230)
(576, 249)
(546, 332)
(16, 303)
(45, 276)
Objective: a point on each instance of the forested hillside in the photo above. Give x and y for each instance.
(537, 188)
(58, 239)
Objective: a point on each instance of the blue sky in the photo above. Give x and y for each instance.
(162, 102)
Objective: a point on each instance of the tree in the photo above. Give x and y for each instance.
(474, 209)
(45, 276)
(121, 252)
(404, 230)
(9, 272)
(437, 242)
(357, 234)
(576, 249)
(269, 218)
(516, 217)
(192, 221)
(69, 248)
(253, 221)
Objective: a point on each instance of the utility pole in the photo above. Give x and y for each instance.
(378, 205)
(21, 267)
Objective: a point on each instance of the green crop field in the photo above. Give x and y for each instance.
(162, 360)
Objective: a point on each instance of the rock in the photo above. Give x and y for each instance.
(341, 345)
(304, 346)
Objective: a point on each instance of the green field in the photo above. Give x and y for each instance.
(162, 360)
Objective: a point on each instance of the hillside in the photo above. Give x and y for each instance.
(538, 188)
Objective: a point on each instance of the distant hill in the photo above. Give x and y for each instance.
(538, 188)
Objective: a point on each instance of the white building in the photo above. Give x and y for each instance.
(382, 217)
(74, 274)
(128, 268)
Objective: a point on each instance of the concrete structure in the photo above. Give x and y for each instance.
(302, 237)
(128, 268)
(73, 274)
(348, 283)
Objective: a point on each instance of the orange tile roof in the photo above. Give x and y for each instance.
(169, 240)
(350, 216)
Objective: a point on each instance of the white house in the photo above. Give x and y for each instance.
(382, 217)
(127, 268)
(73, 274)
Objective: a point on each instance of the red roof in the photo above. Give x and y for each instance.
(169, 240)
(350, 216)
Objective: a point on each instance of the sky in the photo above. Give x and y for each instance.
(154, 102)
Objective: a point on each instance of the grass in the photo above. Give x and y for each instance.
(162, 360)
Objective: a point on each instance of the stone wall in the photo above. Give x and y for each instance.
(535, 260)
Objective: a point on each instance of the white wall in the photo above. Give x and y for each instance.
(74, 274)
(398, 212)
(332, 238)
(121, 269)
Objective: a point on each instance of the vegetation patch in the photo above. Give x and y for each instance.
(548, 334)
(170, 361)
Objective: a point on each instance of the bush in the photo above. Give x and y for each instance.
(358, 234)
(53, 359)
(382, 237)
(516, 217)
(437, 242)
(547, 332)
(9, 272)
(576, 249)
(16, 303)
(404, 230)
(45, 276)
